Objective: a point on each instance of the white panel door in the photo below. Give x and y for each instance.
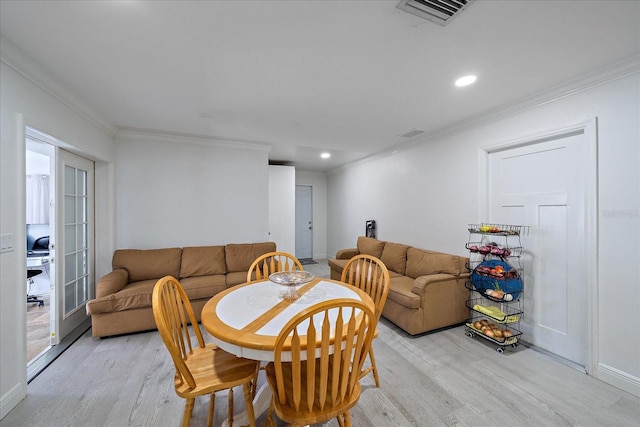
(74, 240)
(542, 185)
(304, 222)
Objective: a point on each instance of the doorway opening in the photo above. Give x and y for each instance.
(59, 226)
(40, 295)
(304, 224)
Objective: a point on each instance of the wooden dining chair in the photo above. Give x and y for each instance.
(310, 388)
(272, 262)
(201, 368)
(369, 274)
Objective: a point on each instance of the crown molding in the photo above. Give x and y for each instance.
(616, 71)
(28, 68)
(146, 135)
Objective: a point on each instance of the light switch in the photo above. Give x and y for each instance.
(6, 243)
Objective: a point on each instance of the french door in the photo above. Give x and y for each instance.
(73, 245)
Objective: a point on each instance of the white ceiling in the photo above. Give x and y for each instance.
(307, 76)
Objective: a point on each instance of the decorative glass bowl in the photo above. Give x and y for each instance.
(291, 282)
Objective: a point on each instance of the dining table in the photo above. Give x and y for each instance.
(245, 320)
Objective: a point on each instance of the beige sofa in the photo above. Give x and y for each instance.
(123, 297)
(427, 288)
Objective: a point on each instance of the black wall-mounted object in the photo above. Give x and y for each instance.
(370, 229)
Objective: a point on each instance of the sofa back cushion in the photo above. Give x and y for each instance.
(202, 261)
(239, 256)
(146, 264)
(421, 262)
(369, 246)
(394, 256)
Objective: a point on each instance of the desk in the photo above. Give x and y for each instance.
(245, 320)
(37, 262)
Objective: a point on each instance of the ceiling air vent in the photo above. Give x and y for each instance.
(438, 11)
(411, 133)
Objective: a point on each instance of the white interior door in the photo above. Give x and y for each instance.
(543, 185)
(74, 240)
(304, 222)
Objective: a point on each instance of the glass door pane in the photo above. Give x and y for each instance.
(75, 242)
(76, 250)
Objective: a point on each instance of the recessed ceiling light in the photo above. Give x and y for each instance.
(466, 80)
(325, 155)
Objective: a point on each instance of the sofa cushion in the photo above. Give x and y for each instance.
(421, 262)
(261, 249)
(400, 291)
(393, 274)
(146, 264)
(240, 256)
(202, 261)
(203, 286)
(369, 246)
(235, 278)
(394, 257)
(337, 264)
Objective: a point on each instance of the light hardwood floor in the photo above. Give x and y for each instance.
(437, 379)
(38, 327)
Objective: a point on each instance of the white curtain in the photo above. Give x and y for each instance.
(37, 199)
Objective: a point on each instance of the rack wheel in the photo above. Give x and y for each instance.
(470, 334)
(514, 345)
(500, 350)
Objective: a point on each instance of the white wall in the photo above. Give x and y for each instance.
(318, 182)
(282, 207)
(427, 194)
(173, 191)
(23, 102)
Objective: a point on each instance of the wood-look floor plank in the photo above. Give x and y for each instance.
(437, 379)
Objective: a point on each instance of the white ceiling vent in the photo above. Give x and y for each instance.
(438, 11)
(411, 133)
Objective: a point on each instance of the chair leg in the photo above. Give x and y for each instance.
(188, 409)
(269, 419)
(254, 382)
(347, 419)
(373, 367)
(248, 403)
(340, 419)
(230, 407)
(212, 403)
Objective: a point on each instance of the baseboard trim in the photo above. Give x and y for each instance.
(618, 379)
(11, 399)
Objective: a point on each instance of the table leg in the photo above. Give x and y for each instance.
(260, 405)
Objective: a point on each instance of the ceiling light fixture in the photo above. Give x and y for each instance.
(325, 155)
(466, 80)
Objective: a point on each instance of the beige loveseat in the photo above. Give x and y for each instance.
(123, 297)
(427, 288)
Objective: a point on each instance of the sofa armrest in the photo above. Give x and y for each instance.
(347, 253)
(112, 282)
(421, 283)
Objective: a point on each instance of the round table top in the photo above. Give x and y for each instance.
(245, 320)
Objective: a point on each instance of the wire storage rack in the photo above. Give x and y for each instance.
(495, 283)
